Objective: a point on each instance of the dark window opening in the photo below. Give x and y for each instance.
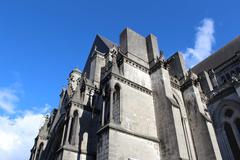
(228, 113)
(237, 122)
(116, 104)
(107, 111)
(232, 141)
(228, 76)
(238, 70)
(223, 79)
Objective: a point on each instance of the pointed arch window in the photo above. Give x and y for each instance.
(73, 129)
(226, 121)
(107, 110)
(116, 104)
(232, 140)
(237, 123)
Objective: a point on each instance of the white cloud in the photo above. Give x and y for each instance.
(17, 135)
(18, 128)
(8, 100)
(203, 43)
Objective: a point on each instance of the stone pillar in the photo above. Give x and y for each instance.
(168, 115)
(204, 137)
(32, 156)
(189, 140)
(206, 83)
(213, 78)
(111, 105)
(68, 129)
(152, 48)
(64, 130)
(78, 130)
(103, 112)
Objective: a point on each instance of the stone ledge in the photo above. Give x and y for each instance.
(120, 129)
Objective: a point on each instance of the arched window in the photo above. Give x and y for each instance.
(39, 151)
(106, 113)
(73, 129)
(232, 140)
(107, 110)
(65, 134)
(226, 121)
(116, 104)
(237, 122)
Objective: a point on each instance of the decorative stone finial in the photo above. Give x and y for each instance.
(73, 79)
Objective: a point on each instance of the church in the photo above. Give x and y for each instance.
(130, 103)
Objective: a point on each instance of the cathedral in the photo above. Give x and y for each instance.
(130, 103)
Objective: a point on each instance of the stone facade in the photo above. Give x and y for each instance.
(220, 82)
(130, 103)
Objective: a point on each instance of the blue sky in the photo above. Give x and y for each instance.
(41, 41)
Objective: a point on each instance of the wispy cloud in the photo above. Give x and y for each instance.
(204, 41)
(18, 127)
(8, 99)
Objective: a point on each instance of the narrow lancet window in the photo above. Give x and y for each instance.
(73, 129)
(116, 104)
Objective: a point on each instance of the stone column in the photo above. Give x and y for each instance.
(213, 78)
(103, 112)
(68, 129)
(34, 155)
(189, 140)
(64, 130)
(202, 129)
(111, 105)
(77, 131)
(169, 118)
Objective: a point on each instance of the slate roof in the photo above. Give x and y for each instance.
(219, 57)
(103, 44)
(108, 43)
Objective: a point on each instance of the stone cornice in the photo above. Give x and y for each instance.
(127, 82)
(85, 107)
(136, 65)
(220, 93)
(75, 149)
(230, 62)
(127, 60)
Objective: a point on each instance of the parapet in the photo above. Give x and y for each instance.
(138, 48)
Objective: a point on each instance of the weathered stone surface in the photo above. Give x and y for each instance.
(129, 103)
